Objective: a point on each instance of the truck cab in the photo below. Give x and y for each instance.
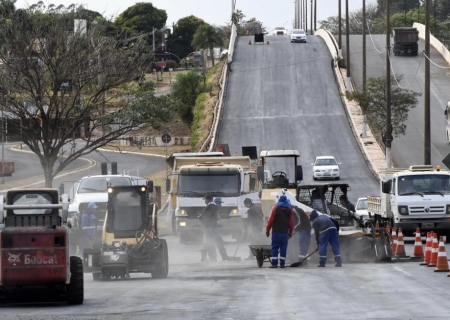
(418, 197)
(228, 178)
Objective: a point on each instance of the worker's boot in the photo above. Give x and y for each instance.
(203, 253)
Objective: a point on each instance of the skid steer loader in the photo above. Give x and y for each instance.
(129, 241)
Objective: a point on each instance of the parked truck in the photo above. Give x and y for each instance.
(232, 178)
(417, 197)
(405, 41)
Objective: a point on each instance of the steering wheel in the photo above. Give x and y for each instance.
(280, 174)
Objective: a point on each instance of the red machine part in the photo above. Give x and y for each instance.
(33, 256)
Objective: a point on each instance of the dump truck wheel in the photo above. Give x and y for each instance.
(162, 269)
(96, 276)
(75, 289)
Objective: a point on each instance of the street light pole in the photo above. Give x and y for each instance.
(347, 45)
(340, 31)
(388, 136)
(427, 139)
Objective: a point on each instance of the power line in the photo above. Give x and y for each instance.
(395, 77)
(442, 67)
(373, 44)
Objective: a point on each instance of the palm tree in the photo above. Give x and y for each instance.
(206, 37)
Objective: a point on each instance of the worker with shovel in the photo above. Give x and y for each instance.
(208, 219)
(281, 221)
(326, 231)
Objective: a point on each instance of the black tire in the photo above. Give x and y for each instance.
(96, 276)
(162, 269)
(260, 259)
(75, 289)
(314, 178)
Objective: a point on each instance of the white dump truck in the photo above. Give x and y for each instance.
(231, 178)
(417, 197)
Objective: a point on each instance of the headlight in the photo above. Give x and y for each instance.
(234, 211)
(403, 210)
(316, 170)
(110, 190)
(335, 170)
(182, 212)
(447, 210)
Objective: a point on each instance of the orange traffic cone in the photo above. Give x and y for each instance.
(418, 248)
(377, 226)
(427, 258)
(400, 251)
(442, 262)
(394, 240)
(388, 229)
(267, 42)
(249, 41)
(434, 252)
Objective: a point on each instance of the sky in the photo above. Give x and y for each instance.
(272, 13)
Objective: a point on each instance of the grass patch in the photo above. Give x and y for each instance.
(204, 107)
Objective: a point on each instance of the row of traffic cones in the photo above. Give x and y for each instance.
(250, 41)
(434, 255)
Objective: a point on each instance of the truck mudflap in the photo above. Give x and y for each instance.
(358, 246)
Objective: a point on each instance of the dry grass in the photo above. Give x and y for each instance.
(150, 150)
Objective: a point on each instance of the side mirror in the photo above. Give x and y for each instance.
(339, 163)
(312, 164)
(167, 185)
(445, 112)
(150, 186)
(386, 186)
(298, 173)
(61, 188)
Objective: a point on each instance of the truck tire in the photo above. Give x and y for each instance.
(75, 289)
(162, 267)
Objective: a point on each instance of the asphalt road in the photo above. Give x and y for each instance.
(284, 96)
(240, 290)
(27, 166)
(409, 149)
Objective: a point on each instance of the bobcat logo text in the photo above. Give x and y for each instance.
(14, 258)
(29, 259)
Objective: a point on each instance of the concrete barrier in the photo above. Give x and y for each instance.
(433, 41)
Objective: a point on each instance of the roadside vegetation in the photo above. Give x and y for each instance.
(373, 105)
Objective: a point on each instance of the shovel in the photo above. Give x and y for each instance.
(234, 258)
(298, 264)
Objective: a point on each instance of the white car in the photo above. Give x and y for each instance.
(326, 167)
(280, 31)
(361, 209)
(298, 35)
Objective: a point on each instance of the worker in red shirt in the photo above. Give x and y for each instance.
(281, 221)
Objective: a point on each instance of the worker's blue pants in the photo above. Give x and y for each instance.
(330, 236)
(304, 240)
(279, 242)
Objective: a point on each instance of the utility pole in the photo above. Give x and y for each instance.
(296, 15)
(340, 31)
(427, 148)
(347, 45)
(364, 56)
(311, 17)
(315, 15)
(388, 134)
(306, 16)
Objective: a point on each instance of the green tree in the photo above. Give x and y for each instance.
(184, 93)
(373, 104)
(142, 17)
(56, 84)
(398, 5)
(208, 37)
(183, 32)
